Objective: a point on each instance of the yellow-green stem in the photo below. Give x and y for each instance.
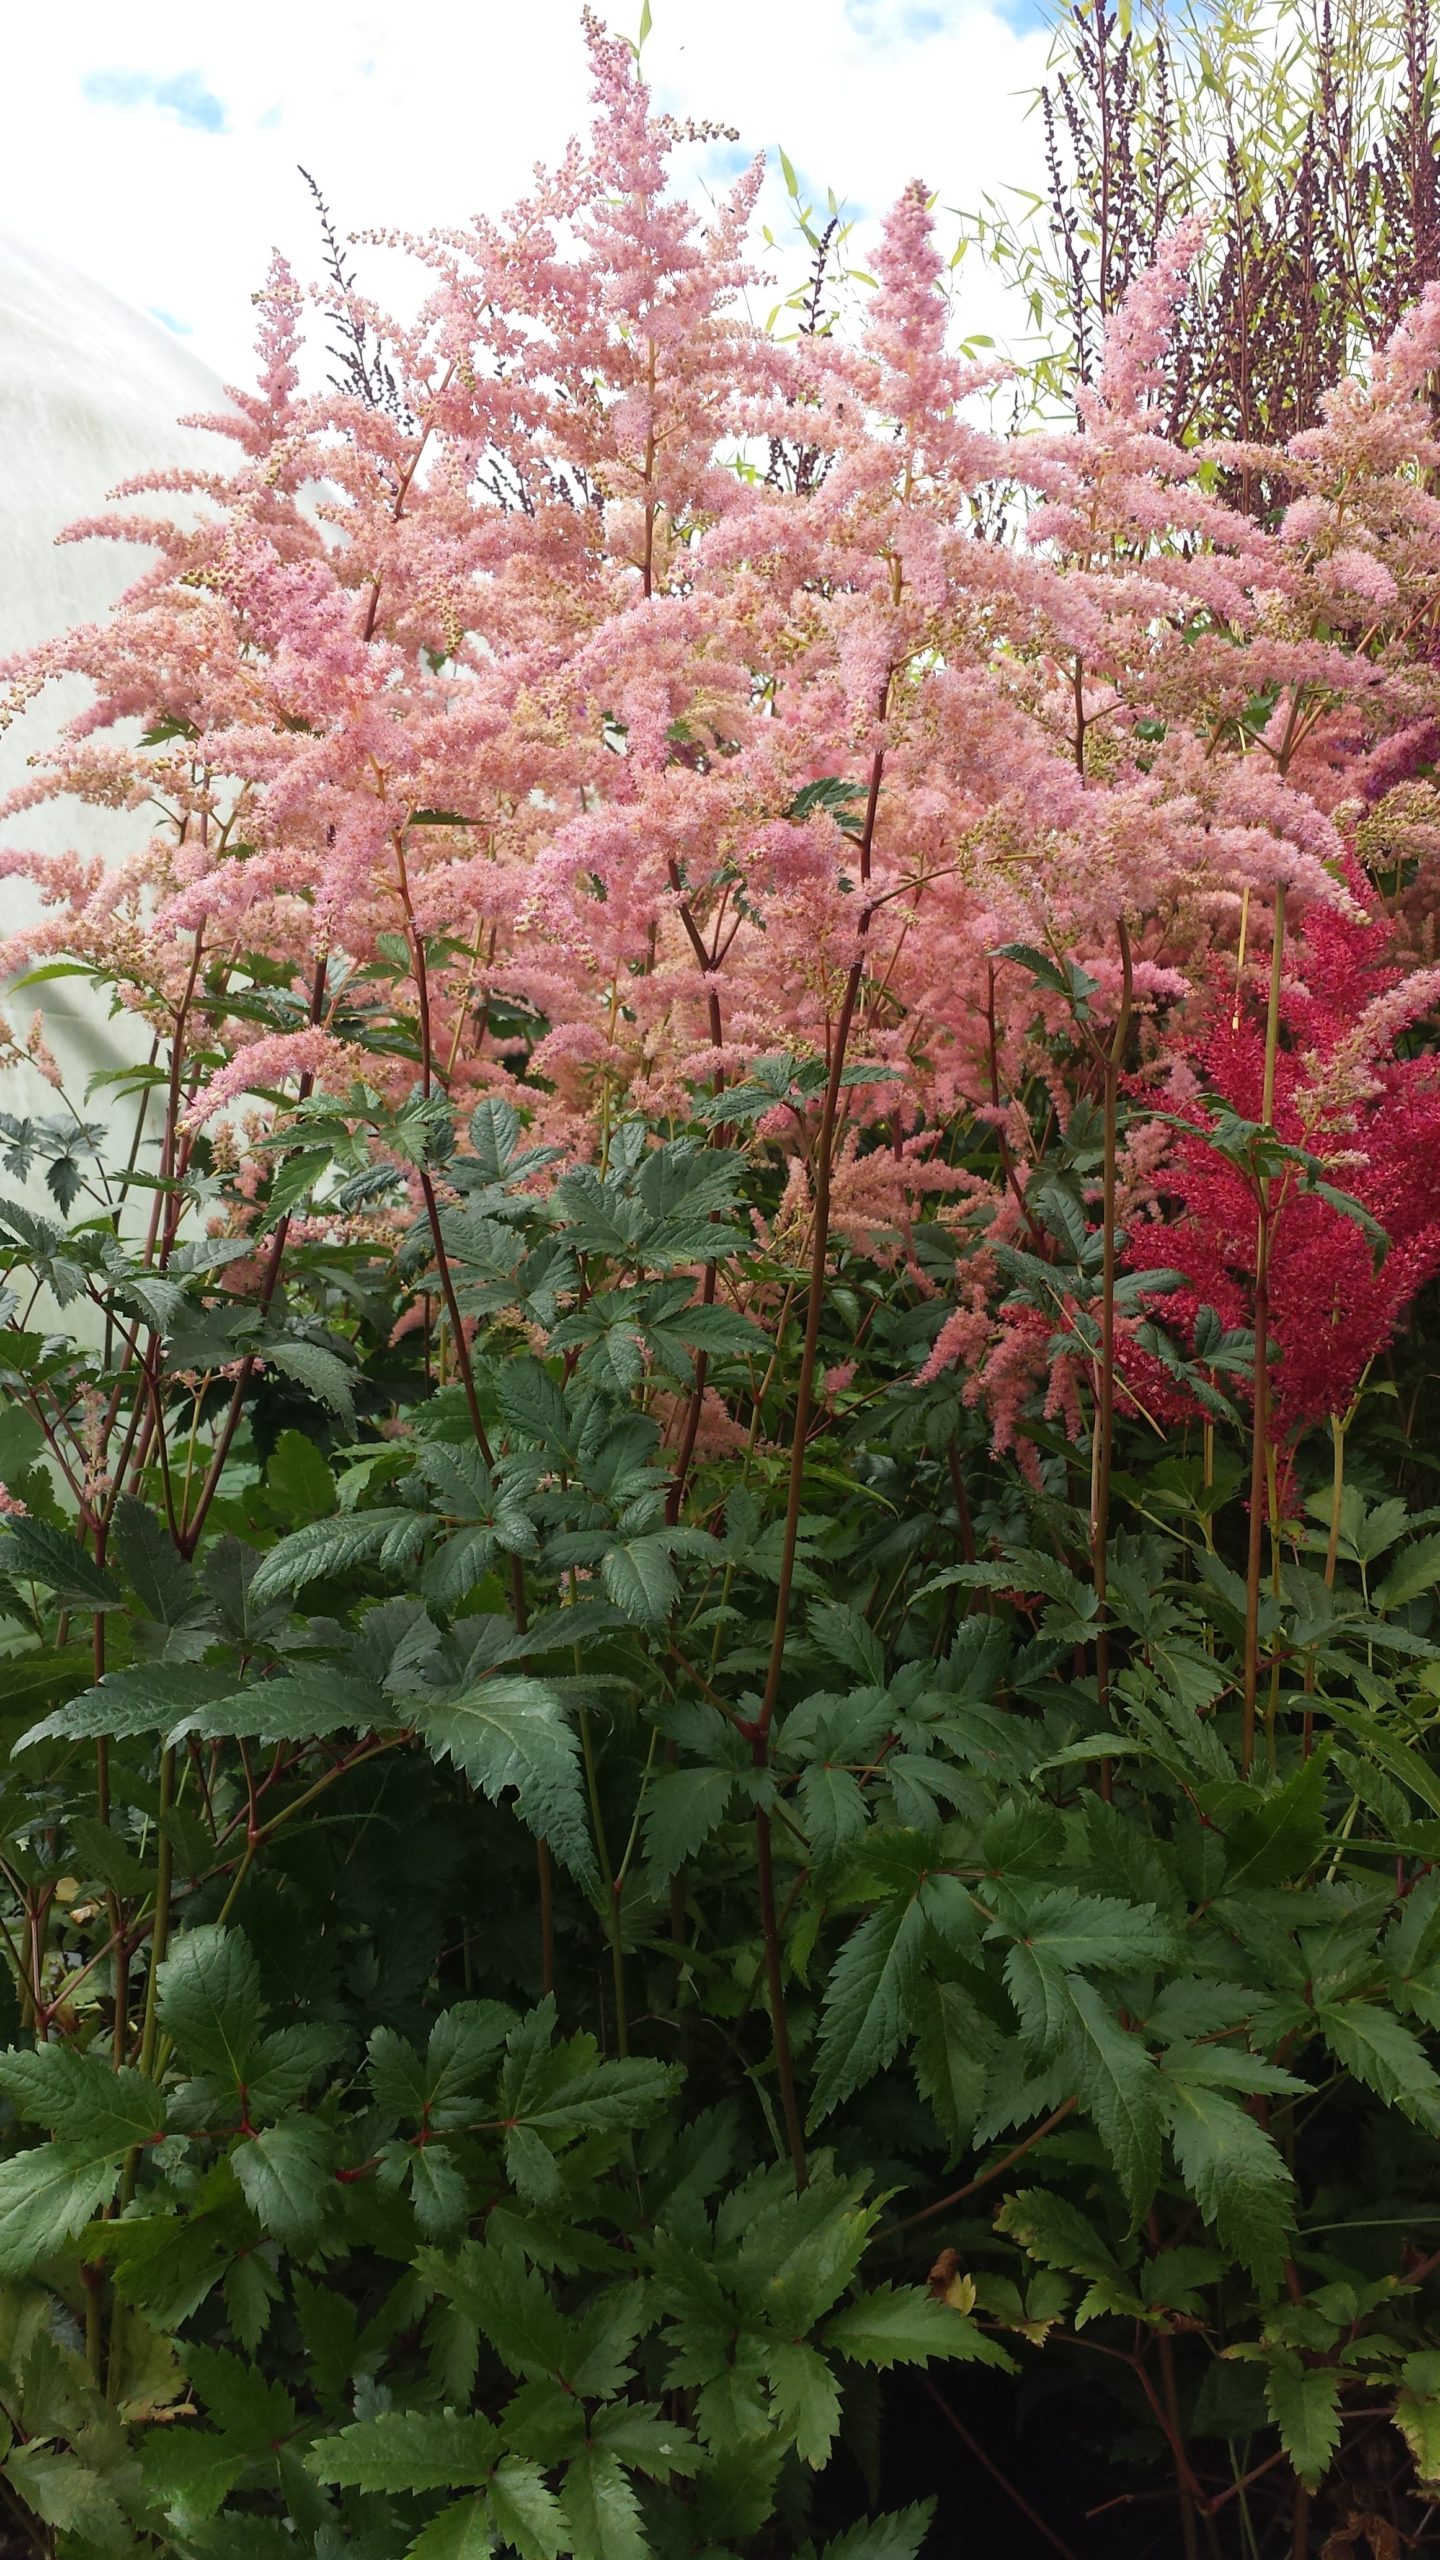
(160, 1934)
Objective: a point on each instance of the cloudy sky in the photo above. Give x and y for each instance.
(156, 149)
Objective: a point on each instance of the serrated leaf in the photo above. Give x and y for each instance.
(33, 1551)
(296, 1474)
(805, 2399)
(850, 1639)
(305, 1705)
(683, 1807)
(510, 2303)
(1377, 2049)
(66, 2494)
(150, 1698)
(1270, 1838)
(162, 1581)
(407, 2449)
(246, 2403)
(531, 2168)
(1120, 2088)
(1091, 1932)
(534, 1406)
(640, 1578)
(46, 2198)
(614, 2094)
(906, 2325)
(1415, 1571)
(162, 2264)
(99, 2111)
(325, 1547)
(322, 1373)
(868, 2001)
(283, 2178)
(228, 1570)
(638, 2436)
(893, 2537)
(209, 2002)
(285, 2062)
(465, 2531)
(527, 2514)
(601, 2510)
(953, 2045)
(105, 1855)
(437, 2087)
(252, 2288)
(512, 1732)
(1057, 2234)
(832, 1808)
(1236, 2176)
(1039, 964)
(1417, 2412)
(329, 2328)
(191, 2471)
(1304, 2401)
(40, 1678)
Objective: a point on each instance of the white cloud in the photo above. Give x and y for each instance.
(157, 151)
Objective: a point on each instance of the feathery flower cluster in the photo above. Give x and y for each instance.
(517, 734)
(1371, 1118)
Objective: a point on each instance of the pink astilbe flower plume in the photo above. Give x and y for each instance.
(571, 755)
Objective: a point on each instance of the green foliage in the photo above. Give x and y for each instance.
(425, 2180)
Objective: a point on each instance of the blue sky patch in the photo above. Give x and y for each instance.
(183, 96)
(728, 159)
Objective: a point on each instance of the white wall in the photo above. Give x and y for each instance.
(90, 394)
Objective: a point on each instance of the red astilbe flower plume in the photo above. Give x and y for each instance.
(1371, 1117)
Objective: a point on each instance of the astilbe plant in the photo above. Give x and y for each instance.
(1365, 1117)
(609, 1686)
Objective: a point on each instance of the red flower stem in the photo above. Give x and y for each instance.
(708, 961)
(800, 1432)
(997, 2169)
(819, 1247)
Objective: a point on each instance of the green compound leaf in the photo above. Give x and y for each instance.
(1417, 2413)
(33, 1551)
(601, 2510)
(466, 2531)
(1304, 2401)
(1236, 2176)
(512, 1732)
(284, 2177)
(46, 2198)
(869, 2000)
(408, 2450)
(209, 2002)
(893, 2537)
(905, 2325)
(78, 2096)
